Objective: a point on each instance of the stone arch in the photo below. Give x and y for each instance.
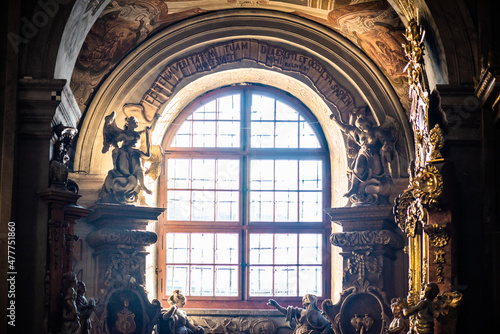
(339, 62)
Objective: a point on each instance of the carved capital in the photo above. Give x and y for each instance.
(111, 236)
(367, 238)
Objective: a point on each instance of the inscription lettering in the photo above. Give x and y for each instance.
(253, 50)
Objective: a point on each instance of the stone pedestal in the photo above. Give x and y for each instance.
(119, 240)
(369, 242)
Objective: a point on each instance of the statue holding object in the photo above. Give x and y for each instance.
(399, 325)
(306, 320)
(375, 158)
(125, 181)
(174, 320)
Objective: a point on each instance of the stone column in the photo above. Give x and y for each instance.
(369, 242)
(119, 241)
(37, 103)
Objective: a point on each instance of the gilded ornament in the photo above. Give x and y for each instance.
(428, 186)
(436, 140)
(438, 236)
(439, 256)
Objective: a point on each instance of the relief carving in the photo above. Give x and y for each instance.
(367, 238)
(360, 264)
(105, 236)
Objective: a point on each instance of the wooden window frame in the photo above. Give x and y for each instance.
(243, 226)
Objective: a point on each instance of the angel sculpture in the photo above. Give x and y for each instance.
(375, 158)
(126, 180)
(174, 320)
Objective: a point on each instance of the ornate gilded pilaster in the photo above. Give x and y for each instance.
(424, 210)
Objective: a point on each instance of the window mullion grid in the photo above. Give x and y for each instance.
(298, 266)
(214, 275)
(273, 268)
(190, 263)
(245, 134)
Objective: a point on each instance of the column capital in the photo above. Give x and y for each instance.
(38, 100)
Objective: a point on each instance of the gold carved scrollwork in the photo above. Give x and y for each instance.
(438, 236)
(436, 140)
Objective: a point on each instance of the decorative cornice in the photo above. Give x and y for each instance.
(368, 238)
(110, 236)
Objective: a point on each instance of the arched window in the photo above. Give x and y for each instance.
(245, 184)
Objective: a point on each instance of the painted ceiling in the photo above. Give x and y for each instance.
(373, 26)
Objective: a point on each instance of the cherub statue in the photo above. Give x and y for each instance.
(84, 307)
(126, 180)
(308, 320)
(423, 311)
(70, 315)
(398, 325)
(375, 162)
(174, 320)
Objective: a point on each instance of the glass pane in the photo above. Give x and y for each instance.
(287, 135)
(227, 205)
(228, 134)
(261, 248)
(179, 173)
(177, 247)
(310, 279)
(178, 205)
(183, 136)
(203, 173)
(228, 174)
(177, 278)
(310, 249)
(310, 206)
(262, 108)
(203, 134)
(202, 280)
(262, 134)
(307, 138)
(262, 174)
(285, 281)
(261, 206)
(226, 250)
(286, 174)
(226, 281)
(285, 246)
(206, 111)
(286, 113)
(261, 281)
(202, 248)
(229, 107)
(203, 205)
(310, 175)
(285, 206)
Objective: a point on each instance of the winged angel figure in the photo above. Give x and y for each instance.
(374, 158)
(125, 181)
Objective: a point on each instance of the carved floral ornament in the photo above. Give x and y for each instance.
(424, 193)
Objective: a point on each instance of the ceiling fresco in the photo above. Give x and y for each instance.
(373, 26)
